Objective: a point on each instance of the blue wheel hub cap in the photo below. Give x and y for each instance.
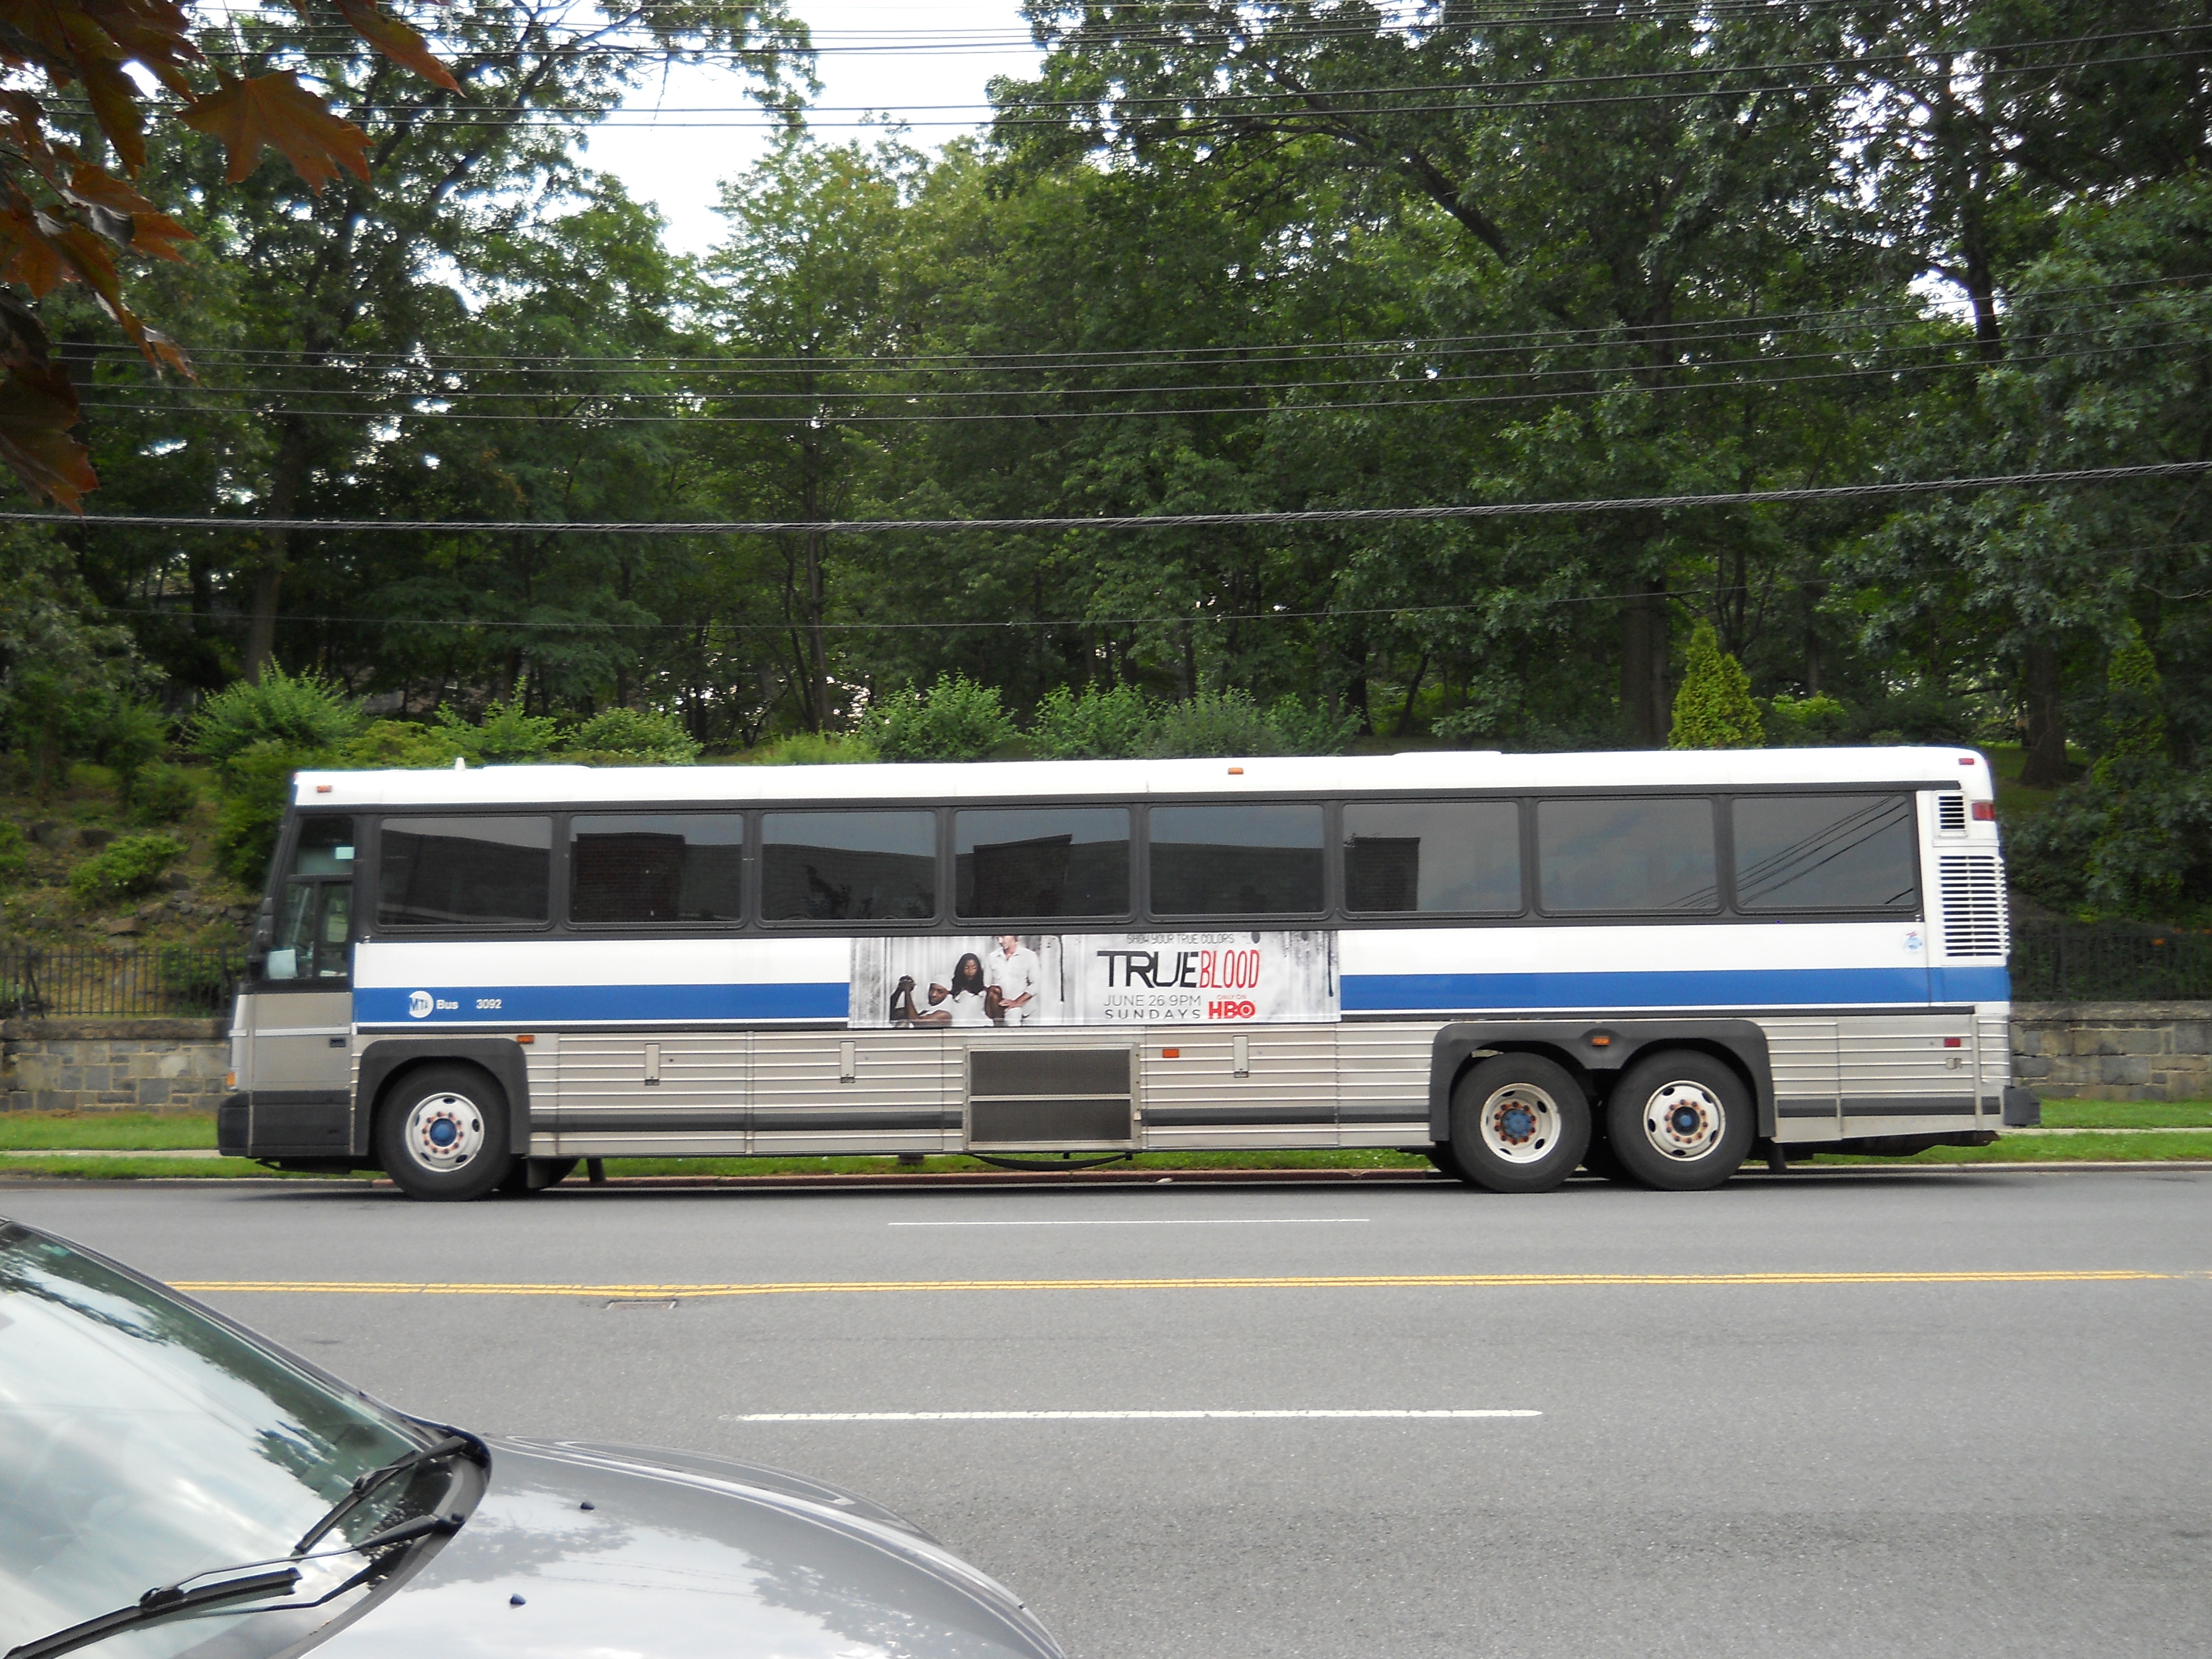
(1516, 1123)
(443, 1132)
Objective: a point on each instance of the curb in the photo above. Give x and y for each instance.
(989, 1180)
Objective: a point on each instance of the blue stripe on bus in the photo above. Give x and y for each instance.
(1743, 987)
(533, 1004)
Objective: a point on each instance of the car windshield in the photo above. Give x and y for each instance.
(142, 1441)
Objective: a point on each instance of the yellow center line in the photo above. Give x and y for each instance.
(1359, 1282)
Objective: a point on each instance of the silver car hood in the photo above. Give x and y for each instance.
(683, 1556)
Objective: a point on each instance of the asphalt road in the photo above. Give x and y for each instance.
(1842, 1464)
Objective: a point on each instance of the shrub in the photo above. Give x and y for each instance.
(14, 856)
(259, 788)
(194, 976)
(1713, 709)
(302, 712)
(127, 737)
(1807, 722)
(814, 749)
(164, 794)
(1305, 728)
(124, 869)
(958, 720)
(402, 745)
(630, 736)
(2135, 836)
(508, 734)
(1094, 724)
(1214, 723)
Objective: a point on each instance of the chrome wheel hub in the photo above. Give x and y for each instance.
(444, 1132)
(1520, 1123)
(1684, 1120)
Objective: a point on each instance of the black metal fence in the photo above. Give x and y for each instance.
(2051, 961)
(42, 980)
(2110, 962)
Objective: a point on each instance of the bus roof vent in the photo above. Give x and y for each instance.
(1951, 813)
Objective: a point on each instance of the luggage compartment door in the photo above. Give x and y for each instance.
(1060, 1099)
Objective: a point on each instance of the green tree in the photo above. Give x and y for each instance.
(1713, 709)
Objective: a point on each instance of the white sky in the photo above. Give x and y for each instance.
(877, 55)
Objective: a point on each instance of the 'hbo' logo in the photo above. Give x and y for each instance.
(1233, 1008)
(419, 1005)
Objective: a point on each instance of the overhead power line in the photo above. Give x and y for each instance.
(2094, 474)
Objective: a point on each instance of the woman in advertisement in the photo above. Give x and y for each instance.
(965, 1003)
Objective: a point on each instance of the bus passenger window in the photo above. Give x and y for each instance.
(1646, 853)
(1239, 861)
(1826, 852)
(848, 867)
(459, 872)
(1403, 856)
(1042, 862)
(665, 867)
(314, 906)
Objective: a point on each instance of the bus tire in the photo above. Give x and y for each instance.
(441, 1133)
(1681, 1121)
(1598, 1158)
(1520, 1123)
(1447, 1161)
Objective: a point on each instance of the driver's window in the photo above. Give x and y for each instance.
(314, 910)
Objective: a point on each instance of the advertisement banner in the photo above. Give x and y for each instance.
(1010, 981)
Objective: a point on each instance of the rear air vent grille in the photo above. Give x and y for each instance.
(1951, 813)
(1973, 890)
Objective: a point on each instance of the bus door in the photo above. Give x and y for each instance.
(298, 1015)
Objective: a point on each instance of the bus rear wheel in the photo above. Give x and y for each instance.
(1520, 1124)
(441, 1133)
(1681, 1121)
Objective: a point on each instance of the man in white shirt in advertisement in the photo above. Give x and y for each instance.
(1015, 973)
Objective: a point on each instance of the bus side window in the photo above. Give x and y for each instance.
(460, 872)
(848, 867)
(1407, 856)
(1243, 860)
(650, 868)
(1645, 852)
(314, 908)
(1826, 852)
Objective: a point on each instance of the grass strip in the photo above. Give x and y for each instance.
(959, 1164)
(152, 1167)
(2116, 1147)
(31, 1132)
(2127, 1113)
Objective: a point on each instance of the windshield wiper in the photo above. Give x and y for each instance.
(273, 1576)
(365, 1485)
(157, 1603)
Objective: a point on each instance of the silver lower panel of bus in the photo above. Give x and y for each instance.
(727, 1093)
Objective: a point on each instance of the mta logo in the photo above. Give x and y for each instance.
(419, 1005)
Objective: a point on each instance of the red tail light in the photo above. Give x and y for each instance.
(1985, 812)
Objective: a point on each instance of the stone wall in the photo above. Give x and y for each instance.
(2061, 1050)
(112, 1065)
(2113, 1050)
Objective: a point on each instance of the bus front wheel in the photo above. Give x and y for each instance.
(1520, 1124)
(1682, 1121)
(441, 1133)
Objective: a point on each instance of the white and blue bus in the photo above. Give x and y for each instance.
(1650, 965)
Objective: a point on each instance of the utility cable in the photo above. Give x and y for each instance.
(2093, 475)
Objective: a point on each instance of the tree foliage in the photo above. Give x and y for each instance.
(1714, 709)
(1212, 257)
